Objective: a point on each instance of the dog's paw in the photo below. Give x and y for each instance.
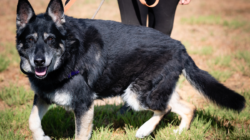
(42, 138)
(143, 132)
(46, 138)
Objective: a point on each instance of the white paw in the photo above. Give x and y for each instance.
(46, 138)
(143, 132)
(42, 138)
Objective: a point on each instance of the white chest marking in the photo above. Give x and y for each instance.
(62, 98)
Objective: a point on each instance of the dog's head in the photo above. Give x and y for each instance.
(40, 38)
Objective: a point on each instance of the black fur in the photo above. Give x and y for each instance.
(212, 89)
(109, 56)
(147, 58)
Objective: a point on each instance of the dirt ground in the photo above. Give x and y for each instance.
(223, 40)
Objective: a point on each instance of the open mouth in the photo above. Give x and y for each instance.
(40, 71)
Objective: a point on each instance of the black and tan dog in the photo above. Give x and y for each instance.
(71, 62)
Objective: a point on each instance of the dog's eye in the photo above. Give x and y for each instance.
(50, 39)
(31, 39)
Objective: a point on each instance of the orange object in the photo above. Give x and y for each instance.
(69, 4)
(145, 3)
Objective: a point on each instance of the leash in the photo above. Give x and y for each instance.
(69, 3)
(145, 3)
(98, 9)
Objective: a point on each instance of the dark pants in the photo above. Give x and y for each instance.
(161, 17)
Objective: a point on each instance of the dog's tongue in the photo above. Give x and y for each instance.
(40, 71)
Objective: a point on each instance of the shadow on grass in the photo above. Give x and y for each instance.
(59, 123)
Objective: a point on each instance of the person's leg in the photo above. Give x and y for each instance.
(133, 12)
(161, 17)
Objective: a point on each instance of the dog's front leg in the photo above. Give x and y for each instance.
(83, 120)
(39, 109)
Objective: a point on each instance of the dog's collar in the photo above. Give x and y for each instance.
(73, 73)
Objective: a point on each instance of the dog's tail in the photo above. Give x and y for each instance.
(210, 87)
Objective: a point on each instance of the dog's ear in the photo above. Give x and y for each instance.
(56, 12)
(24, 13)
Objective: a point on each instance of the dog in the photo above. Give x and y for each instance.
(71, 62)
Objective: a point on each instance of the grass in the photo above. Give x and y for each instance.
(211, 123)
(10, 51)
(14, 95)
(14, 123)
(245, 66)
(216, 20)
(221, 76)
(234, 24)
(224, 62)
(4, 63)
(245, 55)
(211, 19)
(206, 50)
(221, 61)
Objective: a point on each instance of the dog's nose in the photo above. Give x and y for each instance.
(39, 61)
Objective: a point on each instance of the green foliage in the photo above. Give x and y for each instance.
(10, 49)
(211, 123)
(245, 55)
(221, 76)
(4, 63)
(244, 67)
(13, 122)
(234, 24)
(102, 133)
(211, 19)
(217, 20)
(59, 123)
(222, 61)
(207, 50)
(14, 95)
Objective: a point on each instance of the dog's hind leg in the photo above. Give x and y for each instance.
(149, 126)
(83, 126)
(39, 109)
(184, 109)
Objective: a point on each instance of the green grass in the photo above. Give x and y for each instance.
(211, 123)
(211, 19)
(230, 115)
(244, 68)
(13, 122)
(217, 20)
(207, 50)
(245, 55)
(221, 76)
(59, 123)
(234, 24)
(4, 63)
(10, 49)
(14, 95)
(222, 61)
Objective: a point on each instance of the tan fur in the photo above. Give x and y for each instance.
(190, 114)
(149, 126)
(38, 111)
(86, 125)
(184, 109)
